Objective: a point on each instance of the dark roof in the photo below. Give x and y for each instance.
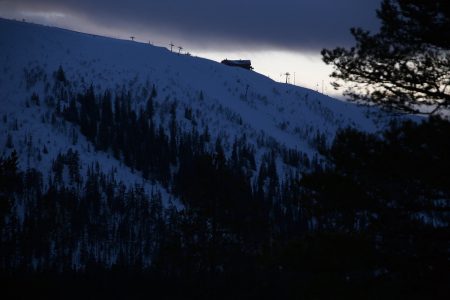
(246, 64)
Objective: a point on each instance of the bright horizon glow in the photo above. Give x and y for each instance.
(306, 69)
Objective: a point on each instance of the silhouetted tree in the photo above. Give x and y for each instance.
(406, 63)
(60, 75)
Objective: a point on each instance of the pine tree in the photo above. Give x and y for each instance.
(106, 123)
(60, 75)
(9, 182)
(405, 64)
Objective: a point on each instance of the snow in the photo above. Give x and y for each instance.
(235, 101)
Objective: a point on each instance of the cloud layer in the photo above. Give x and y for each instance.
(297, 25)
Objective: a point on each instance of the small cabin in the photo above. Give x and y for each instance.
(246, 64)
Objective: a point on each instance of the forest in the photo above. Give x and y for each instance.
(371, 221)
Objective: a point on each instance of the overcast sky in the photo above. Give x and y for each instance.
(287, 32)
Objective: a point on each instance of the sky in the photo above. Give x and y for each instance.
(279, 36)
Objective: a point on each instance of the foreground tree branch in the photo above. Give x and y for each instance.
(406, 64)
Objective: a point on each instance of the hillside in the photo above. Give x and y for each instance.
(129, 171)
(231, 102)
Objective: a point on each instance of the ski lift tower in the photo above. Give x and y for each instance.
(287, 74)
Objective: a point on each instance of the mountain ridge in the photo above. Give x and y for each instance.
(228, 101)
(158, 173)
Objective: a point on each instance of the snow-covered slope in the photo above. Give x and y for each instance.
(231, 102)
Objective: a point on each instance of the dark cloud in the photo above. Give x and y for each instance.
(307, 25)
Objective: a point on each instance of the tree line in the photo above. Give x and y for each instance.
(371, 222)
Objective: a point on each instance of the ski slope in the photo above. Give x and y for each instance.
(230, 102)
